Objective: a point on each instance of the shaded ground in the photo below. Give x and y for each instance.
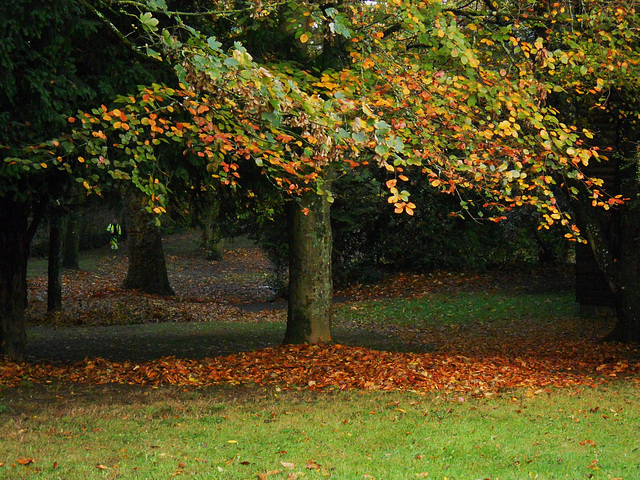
(218, 331)
(102, 320)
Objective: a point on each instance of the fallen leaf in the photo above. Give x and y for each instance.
(25, 461)
(288, 465)
(311, 465)
(102, 467)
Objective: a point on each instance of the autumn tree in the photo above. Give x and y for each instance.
(399, 85)
(317, 90)
(585, 58)
(56, 57)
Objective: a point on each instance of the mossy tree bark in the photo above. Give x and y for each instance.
(310, 282)
(147, 268)
(211, 231)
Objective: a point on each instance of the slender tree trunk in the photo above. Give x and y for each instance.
(71, 241)
(54, 285)
(310, 283)
(14, 245)
(147, 269)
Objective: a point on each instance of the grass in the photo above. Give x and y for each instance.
(79, 432)
(461, 308)
(239, 433)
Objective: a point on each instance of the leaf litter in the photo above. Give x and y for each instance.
(473, 360)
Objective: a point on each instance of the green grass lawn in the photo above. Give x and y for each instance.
(462, 308)
(85, 432)
(74, 432)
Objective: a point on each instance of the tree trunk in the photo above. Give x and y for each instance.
(71, 241)
(211, 232)
(626, 275)
(54, 285)
(616, 248)
(14, 245)
(147, 269)
(310, 283)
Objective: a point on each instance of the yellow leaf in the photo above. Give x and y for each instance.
(304, 38)
(366, 109)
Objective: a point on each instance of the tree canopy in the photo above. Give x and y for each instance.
(483, 100)
(410, 86)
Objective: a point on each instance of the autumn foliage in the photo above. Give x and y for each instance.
(341, 367)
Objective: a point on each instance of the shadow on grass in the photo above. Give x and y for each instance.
(140, 343)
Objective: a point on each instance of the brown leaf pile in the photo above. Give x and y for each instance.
(337, 366)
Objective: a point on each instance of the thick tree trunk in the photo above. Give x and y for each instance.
(616, 249)
(14, 245)
(310, 283)
(147, 269)
(625, 275)
(54, 285)
(71, 241)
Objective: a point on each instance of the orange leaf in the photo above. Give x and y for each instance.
(311, 465)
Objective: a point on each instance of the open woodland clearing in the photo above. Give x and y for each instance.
(444, 375)
(475, 334)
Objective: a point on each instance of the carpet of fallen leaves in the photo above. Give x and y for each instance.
(473, 360)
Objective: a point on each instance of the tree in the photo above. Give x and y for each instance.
(50, 69)
(71, 240)
(310, 280)
(54, 283)
(397, 84)
(147, 269)
(470, 127)
(584, 56)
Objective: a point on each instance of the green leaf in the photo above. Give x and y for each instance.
(148, 21)
(214, 44)
(231, 62)
(382, 149)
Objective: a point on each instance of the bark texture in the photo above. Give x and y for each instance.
(310, 283)
(615, 242)
(14, 245)
(54, 271)
(147, 268)
(71, 241)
